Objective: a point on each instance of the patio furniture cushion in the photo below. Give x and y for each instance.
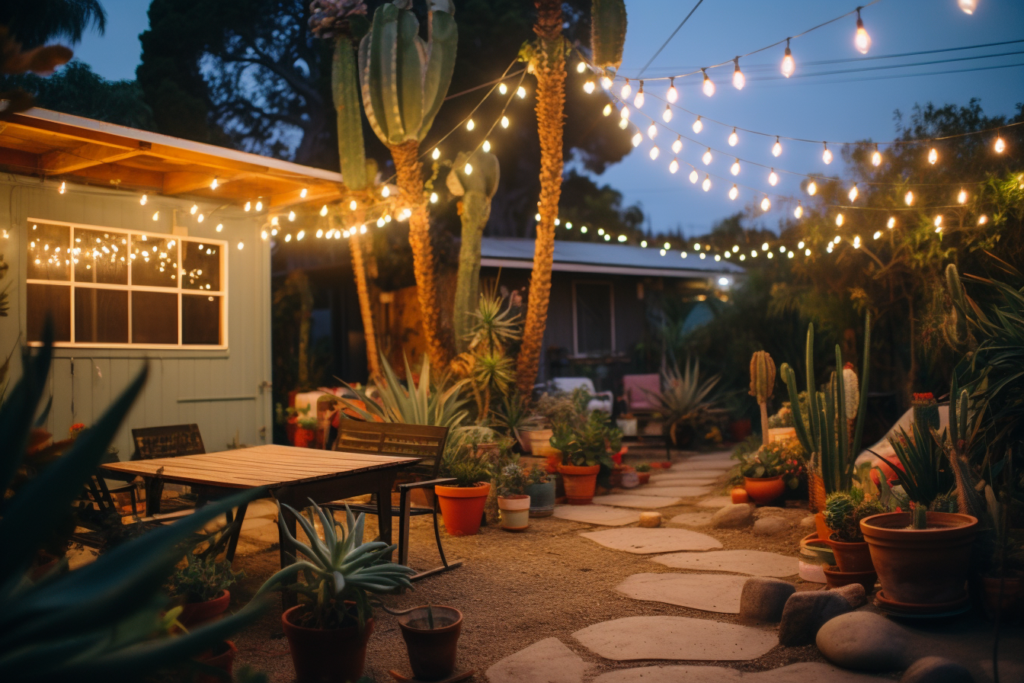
(636, 389)
(603, 400)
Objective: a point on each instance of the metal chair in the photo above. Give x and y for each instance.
(422, 441)
(98, 513)
(166, 442)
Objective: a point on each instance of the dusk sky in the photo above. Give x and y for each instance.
(838, 107)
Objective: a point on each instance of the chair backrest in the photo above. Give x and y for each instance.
(635, 388)
(390, 438)
(167, 442)
(568, 384)
(97, 497)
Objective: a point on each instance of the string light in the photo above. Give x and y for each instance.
(486, 146)
(677, 146)
(156, 215)
(861, 39)
(436, 154)
(706, 158)
(798, 212)
(503, 89)
(909, 198)
(878, 233)
(735, 168)
(876, 157)
(982, 219)
(623, 124)
(323, 210)
(709, 86)
(694, 177)
(624, 113)
(264, 235)
(839, 220)
(627, 89)
(581, 67)
(248, 206)
(63, 187)
(200, 218)
(826, 156)
(521, 91)
(220, 227)
(672, 95)
(968, 6)
(812, 188)
(288, 237)
(637, 139)
(962, 197)
(666, 115)
(433, 198)
(674, 166)
(193, 209)
(933, 156)
(853, 193)
(470, 125)
(589, 87)
(788, 66)
(698, 125)
(777, 147)
(733, 138)
(652, 131)
(468, 168)
(385, 192)
(891, 223)
(707, 182)
(654, 152)
(1000, 147)
(144, 200)
(504, 122)
(241, 245)
(213, 185)
(607, 110)
(800, 245)
(259, 205)
(606, 82)
(766, 203)
(856, 241)
(738, 79)
(773, 178)
(938, 223)
(638, 101)
(303, 193)
(734, 192)
(320, 233)
(765, 247)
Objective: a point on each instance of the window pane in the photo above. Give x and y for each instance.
(200, 320)
(154, 261)
(48, 257)
(101, 315)
(154, 318)
(201, 266)
(54, 300)
(100, 257)
(593, 318)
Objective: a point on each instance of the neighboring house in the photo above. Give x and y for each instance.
(142, 247)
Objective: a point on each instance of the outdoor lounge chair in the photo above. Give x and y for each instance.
(637, 390)
(423, 441)
(166, 442)
(603, 400)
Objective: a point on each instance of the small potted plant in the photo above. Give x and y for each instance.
(541, 487)
(643, 473)
(431, 635)
(305, 434)
(767, 472)
(843, 512)
(586, 451)
(513, 501)
(201, 588)
(328, 630)
(462, 505)
(627, 424)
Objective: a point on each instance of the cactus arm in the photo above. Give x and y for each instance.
(384, 55)
(345, 90)
(843, 424)
(858, 430)
(410, 63)
(607, 32)
(789, 378)
(440, 64)
(369, 70)
(812, 392)
(475, 210)
(827, 418)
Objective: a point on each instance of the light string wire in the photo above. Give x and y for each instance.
(669, 39)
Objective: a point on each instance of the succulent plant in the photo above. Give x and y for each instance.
(762, 386)
(844, 511)
(607, 32)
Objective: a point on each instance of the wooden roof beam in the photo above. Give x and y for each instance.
(182, 182)
(59, 162)
(319, 193)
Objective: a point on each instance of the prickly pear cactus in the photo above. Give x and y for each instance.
(762, 386)
(607, 32)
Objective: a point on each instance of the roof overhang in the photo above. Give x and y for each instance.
(608, 269)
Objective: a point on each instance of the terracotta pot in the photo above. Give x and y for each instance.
(643, 477)
(534, 440)
(223, 658)
(816, 493)
(580, 483)
(326, 655)
(819, 525)
(195, 613)
(553, 458)
(1009, 602)
(304, 438)
(764, 491)
(814, 548)
(851, 557)
(515, 512)
(921, 566)
(432, 652)
(739, 495)
(835, 578)
(461, 508)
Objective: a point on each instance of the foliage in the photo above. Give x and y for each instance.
(102, 621)
(336, 569)
(470, 456)
(13, 61)
(777, 458)
(563, 406)
(513, 479)
(643, 467)
(486, 364)
(201, 579)
(922, 476)
(843, 512)
(685, 399)
(589, 442)
(514, 413)
(34, 23)
(784, 418)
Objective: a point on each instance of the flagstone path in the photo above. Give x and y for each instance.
(707, 592)
(715, 502)
(750, 562)
(678, 491)
(648, 541)
(677, 638)
(603, 515)
(803, 672)
(629, 500)
(546, 661)
(692, 518)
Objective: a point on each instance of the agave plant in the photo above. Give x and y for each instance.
(684, 397)
(338, 568)
(486, 363)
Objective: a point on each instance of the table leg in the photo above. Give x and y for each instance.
(233, 541)
(154, 492)
(384, 508)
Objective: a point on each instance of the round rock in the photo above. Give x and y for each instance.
(864, 641)
(763, 599)
(707, 592)
(805, 613)
(678, 638)
(769, 526)
(732, 515)
(650, 520)
(936, 670)
(648, 541)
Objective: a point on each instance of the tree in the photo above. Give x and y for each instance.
(35, 22)
(584, 203)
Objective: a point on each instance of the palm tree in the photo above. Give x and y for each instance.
(34, 22)
(548, 65)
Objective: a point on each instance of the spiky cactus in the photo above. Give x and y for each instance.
(762, 386)
(476, 188)
(404, 81)
(607, 32)
(844, 511)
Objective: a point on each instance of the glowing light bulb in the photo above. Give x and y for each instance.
(623, 124)
(323, 210)
(666, 115)
(709, 86)
(667, 246)
(891, 223)
(589, 87)
(143, 200)
(1000, 146)
(200, 218)
(626, 91)
(624, 113)
(468, 168)
(521, 91)
(607, 110)
(706, 158)
(300, 235)
(861, 40)
(486, 146)
(962, 197)
(853, 193)
(777, 148)
(606, 82)
(319, 233)
(698, 125)
(933, 156)
(938, 221)
(156, 215)
(674, 166)
(856, 242)
(470, 125)
(876, 157)
(303, 193)
(766, 203)
(773, 178)
(800, 245)
(581, 67)
(504, 122)
(764, 247)
(386, 192)
(672, 95)
(707, 183)
(909, 198)
(638, 101)
(654, 152)
(738, 79)
(264, 235)
(433, 198)
(652, 131)
(259, 205)
(63, 187)
(733, 138)
(693, 176)
(503, 89)
(291, 216)
(839, 220)
(677, 146)
(735, 168)
(637, 139)
(878, 233)
(812, 188)
(213, 185)
(193, 209)
(968, 6)
(798, 212)
(734, 192)
(982, 219)
(436, 154)
(826, 156)
(788, 65)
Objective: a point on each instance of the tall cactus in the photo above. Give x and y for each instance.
(404, 81)
(476, 188)
(762, 386)
(825, 434)
(607, 32)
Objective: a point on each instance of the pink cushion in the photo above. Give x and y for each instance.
(633, 388)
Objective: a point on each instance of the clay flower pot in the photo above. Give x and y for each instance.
(542, 497)
(326, 655)
(851, 557)
(835, 578)
(462, 508)
(220, 657)
(515, 512)
(921, 567)
(432, 651)
(580, 483)
(196, 613)
(764, 491)
(1005, 599)
(643, 477)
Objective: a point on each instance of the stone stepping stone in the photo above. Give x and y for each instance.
(678, 491)
(707, 465)
(749, 562)
(692, 519)
(663, 483)
(647, 541)
(696, 475)
(707, 592)
(803, 672)
(632, 500)
(720, 455)
(546, 661)
(715, 502)
(597, 514)
(677, 638)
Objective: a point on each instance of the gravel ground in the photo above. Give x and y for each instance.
(515, 589)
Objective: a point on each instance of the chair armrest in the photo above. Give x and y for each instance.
(425, 484)
(606, 394)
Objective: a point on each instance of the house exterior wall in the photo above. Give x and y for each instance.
(224, 391)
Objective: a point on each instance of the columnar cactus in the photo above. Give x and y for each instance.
(476, 189)
(607, 32)
(762, 386)
(404, 81)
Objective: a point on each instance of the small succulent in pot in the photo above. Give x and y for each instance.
(779, 458)
(843, 512)
(201, 579)
(642, 467)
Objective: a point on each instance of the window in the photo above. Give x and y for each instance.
(125, 288)
(593, 318)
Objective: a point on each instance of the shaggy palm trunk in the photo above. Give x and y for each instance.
(372, 357)
(410, 185)
(550, 72)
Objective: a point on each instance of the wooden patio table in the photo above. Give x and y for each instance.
(293, 476)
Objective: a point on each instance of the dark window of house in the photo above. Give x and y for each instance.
(595, 317)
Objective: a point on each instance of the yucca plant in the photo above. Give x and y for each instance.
(102, 621)
(922, 475)
(684, 397)
(486, 364)
(338, 569)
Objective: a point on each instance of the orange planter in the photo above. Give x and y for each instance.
(580, 483)
(764, 491)
(462, 508)
(739, 495)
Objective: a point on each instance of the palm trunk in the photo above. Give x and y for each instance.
(372, 357)
(550, 72)
(410, 184)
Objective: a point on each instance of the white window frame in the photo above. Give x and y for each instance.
(575, 318)
(71, 284)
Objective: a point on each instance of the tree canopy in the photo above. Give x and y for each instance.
(34, 22)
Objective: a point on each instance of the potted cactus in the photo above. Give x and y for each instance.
(762, 386)
(843, 512)
(462, 505)
(513, 500)
(586, 446)
(643, 473)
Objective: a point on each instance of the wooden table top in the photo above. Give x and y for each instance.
(269, 465)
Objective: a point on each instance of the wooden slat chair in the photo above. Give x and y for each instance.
(96, 504)
(423, 441)
(166, 442)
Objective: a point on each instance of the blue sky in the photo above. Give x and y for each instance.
(838, 107)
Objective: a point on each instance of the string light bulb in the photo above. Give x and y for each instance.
(638, 101)
(607, 110)
(589, 87)
(777, 147)
(433, 198)
(323, 210)
(788, 65)
(766, 203)
(853, 193)
(654, 152)
(933, 156)
(666, 115)
(303, 193)
(486, 146)
(623, 124)
(798, 212)
(968, 6)
(63, 187)
(248, 206)
(735, 168)
(709, 86)
(606, 82)
(200, 218)
(698, 125)
(734, 192)
(982, 219)
(581, 67)
(706, 158)
(503, 89)
(672, 95)
(436, 154)
(637, 139)
(156, 215)
(909, 198)
(707, 182)
(962, 197)
(259, 205)
(626, 91)
(521, 91)
(693, 176)
(291, 216)
(1000, 147)
(738, 79)
(504, 122)
(193, 209)
(773, 178)
(300, 235)
(826, 156)
(386, 192)
(652, 131)
(891, 222)
(143, 200)
(878, 233)
(812, 188)
(734, 139)
(677, 146)
(839, 220)
(624, 113)
(674, 166)
(468, 168)
(856, 241)
(214, 183)
(861, 39)
(876, 157)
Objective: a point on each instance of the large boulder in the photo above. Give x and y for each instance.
(864, 641)
(806, 612)
(936, 670)
(732, 515)
(764, 599)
